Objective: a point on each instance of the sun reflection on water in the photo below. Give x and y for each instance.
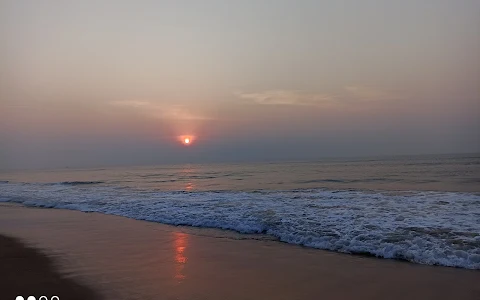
(189, 186)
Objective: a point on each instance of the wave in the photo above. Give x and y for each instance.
(435, 228)
(68, 183)
(348, 180)
(79, 182)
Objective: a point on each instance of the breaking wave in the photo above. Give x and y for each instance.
(435, 228)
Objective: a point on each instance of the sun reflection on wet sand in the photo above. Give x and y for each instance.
(180, 244)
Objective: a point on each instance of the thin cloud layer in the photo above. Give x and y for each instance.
(167, 112)
(286, 97)
(349, 94)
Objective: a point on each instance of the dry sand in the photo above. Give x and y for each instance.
(127, 259)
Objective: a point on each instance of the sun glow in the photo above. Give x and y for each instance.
(186, 140)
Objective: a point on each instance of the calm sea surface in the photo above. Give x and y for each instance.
(424, 209)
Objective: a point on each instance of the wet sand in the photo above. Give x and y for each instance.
(122, 258)
(26, 271)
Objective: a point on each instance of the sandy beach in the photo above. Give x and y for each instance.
(121, 258)
(29, 272)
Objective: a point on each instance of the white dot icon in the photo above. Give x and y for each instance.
(31, 298)
(19, 298)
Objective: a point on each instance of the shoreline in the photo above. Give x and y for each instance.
(376, 248)
(124, 258)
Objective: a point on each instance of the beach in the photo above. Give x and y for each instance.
(27, 271)
(122, 258)
(239, 150)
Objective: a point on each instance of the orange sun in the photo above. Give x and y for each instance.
(186, 140)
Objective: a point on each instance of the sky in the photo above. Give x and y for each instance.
(95, 83)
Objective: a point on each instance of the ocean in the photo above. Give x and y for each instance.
(423, 209)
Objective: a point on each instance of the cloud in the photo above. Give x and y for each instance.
(161, 111)
(179, 112)
(286, 97)
(347, 95)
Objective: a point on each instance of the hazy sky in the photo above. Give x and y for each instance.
(85, 83)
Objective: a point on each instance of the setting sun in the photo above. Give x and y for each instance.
(186, 140)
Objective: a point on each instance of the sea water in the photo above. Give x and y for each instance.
(424, 209)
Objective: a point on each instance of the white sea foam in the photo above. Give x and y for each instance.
(437, 228)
